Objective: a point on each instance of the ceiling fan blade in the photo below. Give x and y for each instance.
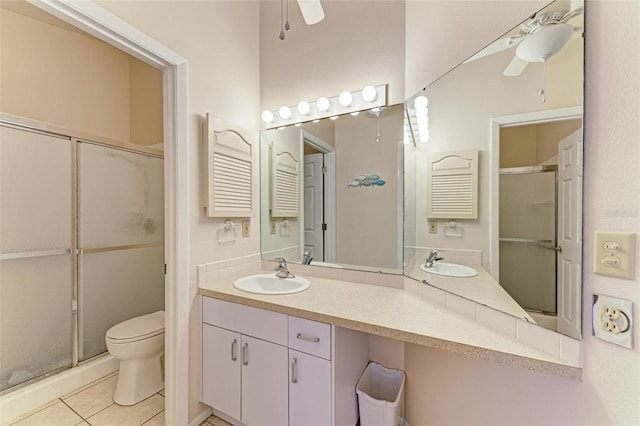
(497, 46)
(515, 67)
(312, 11)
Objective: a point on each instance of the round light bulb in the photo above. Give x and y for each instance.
(421, 103)
(285, 112)
(369, 93)
(267, 116)
(304, 108)
(323, 104)
(345, 99)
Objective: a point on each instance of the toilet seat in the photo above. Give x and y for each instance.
(138, 328)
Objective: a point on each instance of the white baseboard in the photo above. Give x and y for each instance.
(204, 415)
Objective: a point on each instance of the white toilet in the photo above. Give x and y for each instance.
(138, 344)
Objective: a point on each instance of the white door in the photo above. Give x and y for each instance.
(309, 390)
(221, 370)
(264, 383)
(313, 206)
(569, 233)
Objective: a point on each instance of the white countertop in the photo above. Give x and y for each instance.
(482, 288)
(397, 314)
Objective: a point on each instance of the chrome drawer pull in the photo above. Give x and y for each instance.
(234, 344)
(299, 336)
(245, 358)
(294, 379)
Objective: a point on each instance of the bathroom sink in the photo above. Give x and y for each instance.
(450, 270)
(270, 284)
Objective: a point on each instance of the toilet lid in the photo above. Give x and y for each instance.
(145, 325)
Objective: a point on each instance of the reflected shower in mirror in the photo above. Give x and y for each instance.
(331, 191)
(522, 115)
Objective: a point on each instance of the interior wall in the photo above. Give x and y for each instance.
(367, 216)
(75, 81)
(609, 391)
(220, 41)
(361, 43)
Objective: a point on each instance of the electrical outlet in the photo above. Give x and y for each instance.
(245, 228)
(433, 227)
(272, 227)
(613, 320)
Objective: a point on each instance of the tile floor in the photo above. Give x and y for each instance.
(93, 405)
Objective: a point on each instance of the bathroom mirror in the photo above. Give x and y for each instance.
(524, 119)
(332, 190)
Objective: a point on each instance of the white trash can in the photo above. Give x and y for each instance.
(380, 396)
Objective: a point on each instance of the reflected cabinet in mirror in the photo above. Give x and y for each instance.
(331, 191)
(517, 105)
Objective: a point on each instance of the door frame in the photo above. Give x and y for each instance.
(496, 123)
(329, 192)
(111, 29)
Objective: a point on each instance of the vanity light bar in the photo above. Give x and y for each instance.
(347, 102)
(418, 113)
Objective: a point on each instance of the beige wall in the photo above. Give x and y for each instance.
(76, 81)
(367, 217)
(361, 43)
(220, 41)
(534, 144)
(610, 391)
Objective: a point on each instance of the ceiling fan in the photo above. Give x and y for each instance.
(540, 37)
(311, 10)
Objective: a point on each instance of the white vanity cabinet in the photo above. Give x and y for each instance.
(244, 362)
(266, 368)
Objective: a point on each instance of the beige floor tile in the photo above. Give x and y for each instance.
(93, 399)
(87, 386)
(117, 415)
(57, 414)
(157, 420)
(219, 422)
(162, 392)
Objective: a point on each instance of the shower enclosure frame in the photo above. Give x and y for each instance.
(31, 126)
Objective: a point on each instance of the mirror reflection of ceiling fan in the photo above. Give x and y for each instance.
(540, 37)
(311, 10)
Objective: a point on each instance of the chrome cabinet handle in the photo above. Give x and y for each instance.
(299, 336)
(245, 358)
(294, 362)
(234, 355)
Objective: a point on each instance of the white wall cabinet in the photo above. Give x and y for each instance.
(265, 368)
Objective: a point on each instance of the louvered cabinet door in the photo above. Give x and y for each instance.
(452, 185)
(228, 171)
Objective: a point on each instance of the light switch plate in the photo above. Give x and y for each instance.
(612, 320)
(614, 254)
(245, 228)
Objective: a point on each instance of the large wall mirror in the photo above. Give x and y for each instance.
(515, 120)
(331, 191)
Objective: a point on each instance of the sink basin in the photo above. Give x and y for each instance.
(270, 284)
(450, 270)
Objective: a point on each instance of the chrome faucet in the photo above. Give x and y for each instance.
(281, 269)
(432, 259)
(306, 257)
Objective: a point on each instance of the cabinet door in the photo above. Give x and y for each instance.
(221, 370)
(309, 390)
(264, 383)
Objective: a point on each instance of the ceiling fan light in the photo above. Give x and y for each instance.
(544, 43)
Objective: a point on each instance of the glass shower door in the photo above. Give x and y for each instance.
(36, 268)
(528, 238)
(121, 240)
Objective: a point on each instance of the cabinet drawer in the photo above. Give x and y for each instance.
(265, 325)
(310, 337)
